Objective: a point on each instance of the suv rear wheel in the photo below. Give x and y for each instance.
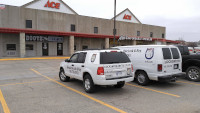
(63, 77)
(193, 73)
(88, 84)
(142, 78)
(119, 85)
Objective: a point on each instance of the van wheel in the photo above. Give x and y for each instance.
(88, 84)
(63, 77)
(120, 85)
(142, 78)
(193, 73)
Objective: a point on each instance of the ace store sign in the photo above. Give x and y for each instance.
(52, 5)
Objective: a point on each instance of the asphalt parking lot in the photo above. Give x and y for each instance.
(33, 86)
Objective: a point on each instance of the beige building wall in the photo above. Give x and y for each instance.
(15, 17)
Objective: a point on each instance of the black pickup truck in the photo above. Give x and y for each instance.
(190, 64)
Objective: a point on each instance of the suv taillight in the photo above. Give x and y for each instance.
(100, 71)
(159, 67)
(132, 67)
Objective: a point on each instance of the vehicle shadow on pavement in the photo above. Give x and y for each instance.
(171, 85)
(99, 89)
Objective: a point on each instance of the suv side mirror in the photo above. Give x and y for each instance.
(67, 60)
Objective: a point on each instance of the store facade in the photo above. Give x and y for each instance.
(52, 28)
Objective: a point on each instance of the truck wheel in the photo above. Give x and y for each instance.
(88, 84)
(63, 77)
(142, 78)
(120, 85)
(193, 73)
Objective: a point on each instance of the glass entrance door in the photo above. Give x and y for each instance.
(59, 49)
(45, 49)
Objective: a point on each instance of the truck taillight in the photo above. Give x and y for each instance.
(132, 67)
(100, 71)
(159, 67)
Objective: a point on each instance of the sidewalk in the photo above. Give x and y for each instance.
(32, 58)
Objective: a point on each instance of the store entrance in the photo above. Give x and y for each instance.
(59, 49)
(45, 49)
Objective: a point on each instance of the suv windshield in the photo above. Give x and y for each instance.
(113, 57)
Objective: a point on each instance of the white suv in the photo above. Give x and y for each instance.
(98, 67)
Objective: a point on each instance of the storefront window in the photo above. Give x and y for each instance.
(28, 23)
(29, 47)
(73, 27)
(163, 35)
(11, 46)
(84, 47)
(138, 33)
(95, 29)
(151, 34)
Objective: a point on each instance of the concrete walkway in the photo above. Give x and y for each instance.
(33, 58)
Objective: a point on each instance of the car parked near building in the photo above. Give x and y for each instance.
(191, 64)
(154, 62)
(98, 67)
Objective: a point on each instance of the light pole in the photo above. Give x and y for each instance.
(114, 30)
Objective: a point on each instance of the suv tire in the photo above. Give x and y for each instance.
(120, 85)
(63, 77)
(193, 73)
(88, 84)
(142, 78)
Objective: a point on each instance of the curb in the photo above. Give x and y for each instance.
(37, 58)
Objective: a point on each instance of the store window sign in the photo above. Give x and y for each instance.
(52, 5)
(127, 17)
(134, 38)
(44, 38)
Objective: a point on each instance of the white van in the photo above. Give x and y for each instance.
(154, 62)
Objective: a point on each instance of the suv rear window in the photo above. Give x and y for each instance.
(166, 53)
(113, 57)
(175, 53)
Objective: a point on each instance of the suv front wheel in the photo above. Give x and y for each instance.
(88, 84)
(193, 73)
(63, 77)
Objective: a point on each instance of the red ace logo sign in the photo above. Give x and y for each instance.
(52, 5)
(127, 17)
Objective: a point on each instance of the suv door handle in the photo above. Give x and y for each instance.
(72, 64)
(82, 66)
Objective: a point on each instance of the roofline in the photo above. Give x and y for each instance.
(130, 12)
(62, 33)
(58, 0)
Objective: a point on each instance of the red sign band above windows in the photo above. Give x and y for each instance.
(127, 17)
(52, 5)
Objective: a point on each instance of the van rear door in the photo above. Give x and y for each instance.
(172, 60)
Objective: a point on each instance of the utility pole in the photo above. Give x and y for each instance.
(114, 30)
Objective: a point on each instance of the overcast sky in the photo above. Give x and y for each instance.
(180, 17)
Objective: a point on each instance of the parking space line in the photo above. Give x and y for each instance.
(83, 94)
(3, 103)
(187, 83)
(153, 90)
(23, 83)
(38, 58)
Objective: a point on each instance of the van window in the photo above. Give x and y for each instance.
(166, 53)
(113, 57)
(175, 53)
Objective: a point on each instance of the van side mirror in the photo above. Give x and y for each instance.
(67, 60)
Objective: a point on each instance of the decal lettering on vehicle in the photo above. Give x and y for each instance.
(149, 53)
(172, 61)
(74, 70)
